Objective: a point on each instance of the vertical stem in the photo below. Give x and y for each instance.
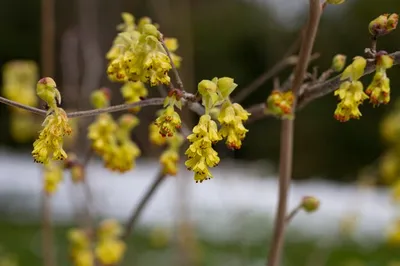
(48, 32)
(287, 132)
(47, 58)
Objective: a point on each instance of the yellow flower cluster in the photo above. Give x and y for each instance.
(201, 155)
(49, 145)
(19, 79)
(80, 248)
(379, 89)
(134, 92)
(350, 92)
(231, 118)
(109, 249)
(53, 175)
(169, 120)
(383, 24)
(280, 103)
(112, 141)
(138, 55)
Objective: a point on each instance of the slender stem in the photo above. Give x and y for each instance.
(133, 219)
(47, 232)
(174, 69)
(287, 132)
(292, 214)
(47, 65)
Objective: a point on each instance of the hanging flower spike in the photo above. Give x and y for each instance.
(80, 250)
(168, 120)
(109, 249)
(123, 152)
(101, 98)
(154, 135)
(281, 104)
(231, 119)
(200, 153)
(170, 157)
(379, 89)
(134, 92)
(49, 145)
(19, 80)
(53, 175)
(351, 92)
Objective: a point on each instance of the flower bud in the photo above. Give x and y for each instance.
(338, 62)
(383, 60)
(310, 204)
(150, 29)
(101, 98)
(226, 86)
(206, 87)
(383, 24)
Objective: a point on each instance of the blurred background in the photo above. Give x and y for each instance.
(225, 221)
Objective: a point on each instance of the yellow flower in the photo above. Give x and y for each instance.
(83, 258)
(110, 251)
(200, 153)
(49, 145)
(379, 89)
(393, 236)
(168, 122)
(46, 89)
(351, 95)
(23, 126)
(396, 192)
(338, 62)
(383, 24)
(281, 103)
(170, 157)
(19, 80)
(155, 136)
(101, 98)
(355, 70)
(53, 175)
(109, 229)
(231, 119)
(134, 92)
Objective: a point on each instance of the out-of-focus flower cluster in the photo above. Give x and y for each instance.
(111, 139)
(138, 55)
(19, 81)
(106, 243)
(201, 154)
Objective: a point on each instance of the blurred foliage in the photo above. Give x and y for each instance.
(242, 39)
(24, 240)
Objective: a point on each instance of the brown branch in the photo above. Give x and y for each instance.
(137, 211)
(287, 132)
(281, 65)
(292, 214)
(174, 69)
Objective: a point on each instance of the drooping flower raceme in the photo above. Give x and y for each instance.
(351, 92)
(201, 155)
(109, 248)
(49, 145)
(169, 120)
(134, 92)
(379, 89)
(231, 118)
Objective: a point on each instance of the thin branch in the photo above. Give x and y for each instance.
(174, 69)
(281, 65)
(137, 211)
(292, 214)
(287, 132)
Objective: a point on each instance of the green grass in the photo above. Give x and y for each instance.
(24, 241)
